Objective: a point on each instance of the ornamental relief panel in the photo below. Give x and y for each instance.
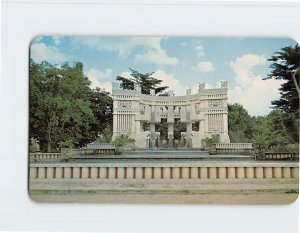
(197, 108)
(215, 103)
(124, 104)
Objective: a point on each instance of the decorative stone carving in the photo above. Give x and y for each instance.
(152, 92)
(188, 91)
(224, 84)
(197, 108)
(142, 108)
(137, 87)
(124, 104)
(201, 87)
(115, 86)
(170, 93)
(215, 103)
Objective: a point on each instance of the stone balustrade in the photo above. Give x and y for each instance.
(207, 170)
(277, 156)
(234, 146)
(44, 156)
(98, 146)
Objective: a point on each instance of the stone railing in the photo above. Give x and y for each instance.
(203, 170)
(98, 146)
(44, 156)
(277, 156)
(232, 148)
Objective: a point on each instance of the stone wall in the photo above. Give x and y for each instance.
(203, 170)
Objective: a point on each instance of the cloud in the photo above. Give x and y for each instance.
(56, 40)
(41, 52)
(156, 56)
(200, 50)
(152, 50)
(251, 91)
(205, 66)
(183, 44)
(170, 81)
(98, 78)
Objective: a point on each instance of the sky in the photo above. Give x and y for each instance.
(181, 62)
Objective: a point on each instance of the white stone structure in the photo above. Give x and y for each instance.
(208, 108)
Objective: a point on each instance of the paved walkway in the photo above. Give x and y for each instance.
(246, 191)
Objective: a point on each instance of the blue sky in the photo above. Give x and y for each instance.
(181, 62)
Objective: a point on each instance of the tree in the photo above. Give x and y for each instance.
(101, 104)
(59, 107)
(285, 66)
(146, 82)
(239, 123)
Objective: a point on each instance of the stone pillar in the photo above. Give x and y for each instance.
(222, 173)
(206, 123)
(268, 172)
(176, 173)
(240, 173)
(185, 173)
(148, 172)
(102, 172)
(121, 172)
(42, 172)
(94, 172)
(157, 173)
(152, 135)
(259, 172)
(231, 173)
(115, 122)
(225, 123)
(194, 172)
(250, 172)
(50, 172)
(203, 172)
(286, 172)
(129, 172)
(33, 172)
(111, 172)
(138, 173)
(212, 172)
(170, 134)
(67, 172)
(76, 172)
(295, 172)
(166, 173)
(58, 172)
(277, 172)
(85, 172)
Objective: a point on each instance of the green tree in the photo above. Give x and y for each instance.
(58, 105)
(239, 123)
(101, 104)
(146, 81)
(285, 66)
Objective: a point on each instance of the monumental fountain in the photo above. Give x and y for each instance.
(207, 109)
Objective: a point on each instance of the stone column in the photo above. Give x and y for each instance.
(188, 134)
(225, 123)
(170, 134)
(152, 135)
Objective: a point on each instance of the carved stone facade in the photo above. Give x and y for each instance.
(207, 109)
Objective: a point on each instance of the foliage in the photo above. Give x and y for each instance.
(146, 81)
(214, 139)
(62, 106)
(239, 123)
(66, 144)
(284, 65)
(122, 140)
